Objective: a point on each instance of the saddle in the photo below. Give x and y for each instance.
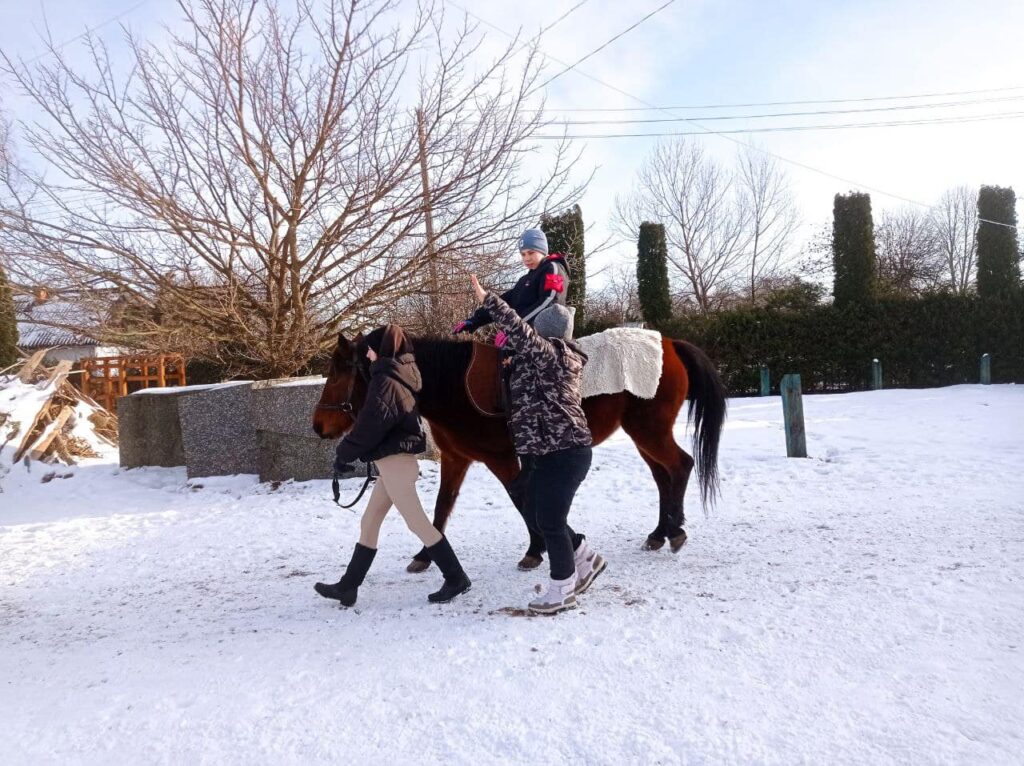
(620, 359)
(483, 381)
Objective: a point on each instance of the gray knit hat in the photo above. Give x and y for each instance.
(556, 321)
(534, 239)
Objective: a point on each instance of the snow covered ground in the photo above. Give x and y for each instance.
(861, 606)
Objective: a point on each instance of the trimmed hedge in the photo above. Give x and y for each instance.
(933, 341)
(8, 325)
(566, 234)
(652, 274)
(853, 250)
(998, 265)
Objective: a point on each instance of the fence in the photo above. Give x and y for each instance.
(105, 378)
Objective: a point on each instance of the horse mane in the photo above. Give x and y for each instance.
(442, 361)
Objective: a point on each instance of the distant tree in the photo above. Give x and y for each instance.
(853, 249)
(956, 226)
(765, 197)
(566, 235)
(616, 301)
(910, 257)
(652, 274)
(8, 324)
(706, 226)
(794, 294)
(998, 256)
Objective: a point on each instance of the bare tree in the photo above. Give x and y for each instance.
(259, 181)
(5, 151)
(765, 196)
(617, 301)
(909, 255)
(707, 230)
(955, 219)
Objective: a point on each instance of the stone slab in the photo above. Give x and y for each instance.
(218, 432)
(149, 429)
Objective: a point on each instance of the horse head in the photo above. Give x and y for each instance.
(345, 389)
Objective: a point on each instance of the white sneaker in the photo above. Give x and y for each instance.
(561, 595)
(589, 564)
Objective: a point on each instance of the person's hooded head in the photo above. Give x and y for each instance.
(389, 342)
(556, 321)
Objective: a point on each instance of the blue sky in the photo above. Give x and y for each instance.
(732, 51)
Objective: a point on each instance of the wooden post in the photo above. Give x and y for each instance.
(986, 369)
(793, 416)
(876, 375)
(766, 381)
(86, 375)
(161, 372)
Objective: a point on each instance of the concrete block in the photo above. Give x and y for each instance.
(218, 432)
(149, 429)
(283, 416)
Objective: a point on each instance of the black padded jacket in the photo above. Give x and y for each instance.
(535, 290)
(389, 421)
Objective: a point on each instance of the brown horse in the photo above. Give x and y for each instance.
(463, 435)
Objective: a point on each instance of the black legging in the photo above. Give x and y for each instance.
(551, 484)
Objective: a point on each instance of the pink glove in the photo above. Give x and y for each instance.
(500, 339)
(460, 327)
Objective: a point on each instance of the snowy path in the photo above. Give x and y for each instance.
(861, 606)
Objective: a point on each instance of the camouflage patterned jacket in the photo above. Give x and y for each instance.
(545, 385)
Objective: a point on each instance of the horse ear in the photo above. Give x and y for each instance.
(343, 343)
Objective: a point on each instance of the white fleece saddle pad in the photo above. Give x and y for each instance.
(622, 359)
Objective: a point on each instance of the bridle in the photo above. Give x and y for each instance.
(346, 407)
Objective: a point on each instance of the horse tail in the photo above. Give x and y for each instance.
(707, 398)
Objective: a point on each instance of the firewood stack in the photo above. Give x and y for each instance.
(43, 417)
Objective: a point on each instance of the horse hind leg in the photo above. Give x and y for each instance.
(671, 467)
(656, 539)
(679, 466)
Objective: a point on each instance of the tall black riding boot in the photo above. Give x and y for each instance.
(455, 580)
(347, 588)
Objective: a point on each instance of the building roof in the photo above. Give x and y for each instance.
(44, 324)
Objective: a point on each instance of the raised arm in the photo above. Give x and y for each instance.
(521, 337)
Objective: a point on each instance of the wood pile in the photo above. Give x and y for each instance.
(43, 417)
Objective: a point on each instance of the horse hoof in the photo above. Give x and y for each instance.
(416, 566)
(653, 544)
(677, 542)
(530, 561)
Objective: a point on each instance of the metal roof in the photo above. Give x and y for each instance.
(44, 325)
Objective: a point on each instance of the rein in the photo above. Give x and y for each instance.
(336, 489)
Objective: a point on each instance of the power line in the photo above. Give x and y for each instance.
(710, 131)
(792, 103)
(559, 19)
(601, 47)
(797, 128)
(87, 32)
(812, 113)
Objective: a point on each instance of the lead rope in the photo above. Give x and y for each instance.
(336, 489)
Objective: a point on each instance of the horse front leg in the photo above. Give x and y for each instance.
(453, 473)
(507, 470)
